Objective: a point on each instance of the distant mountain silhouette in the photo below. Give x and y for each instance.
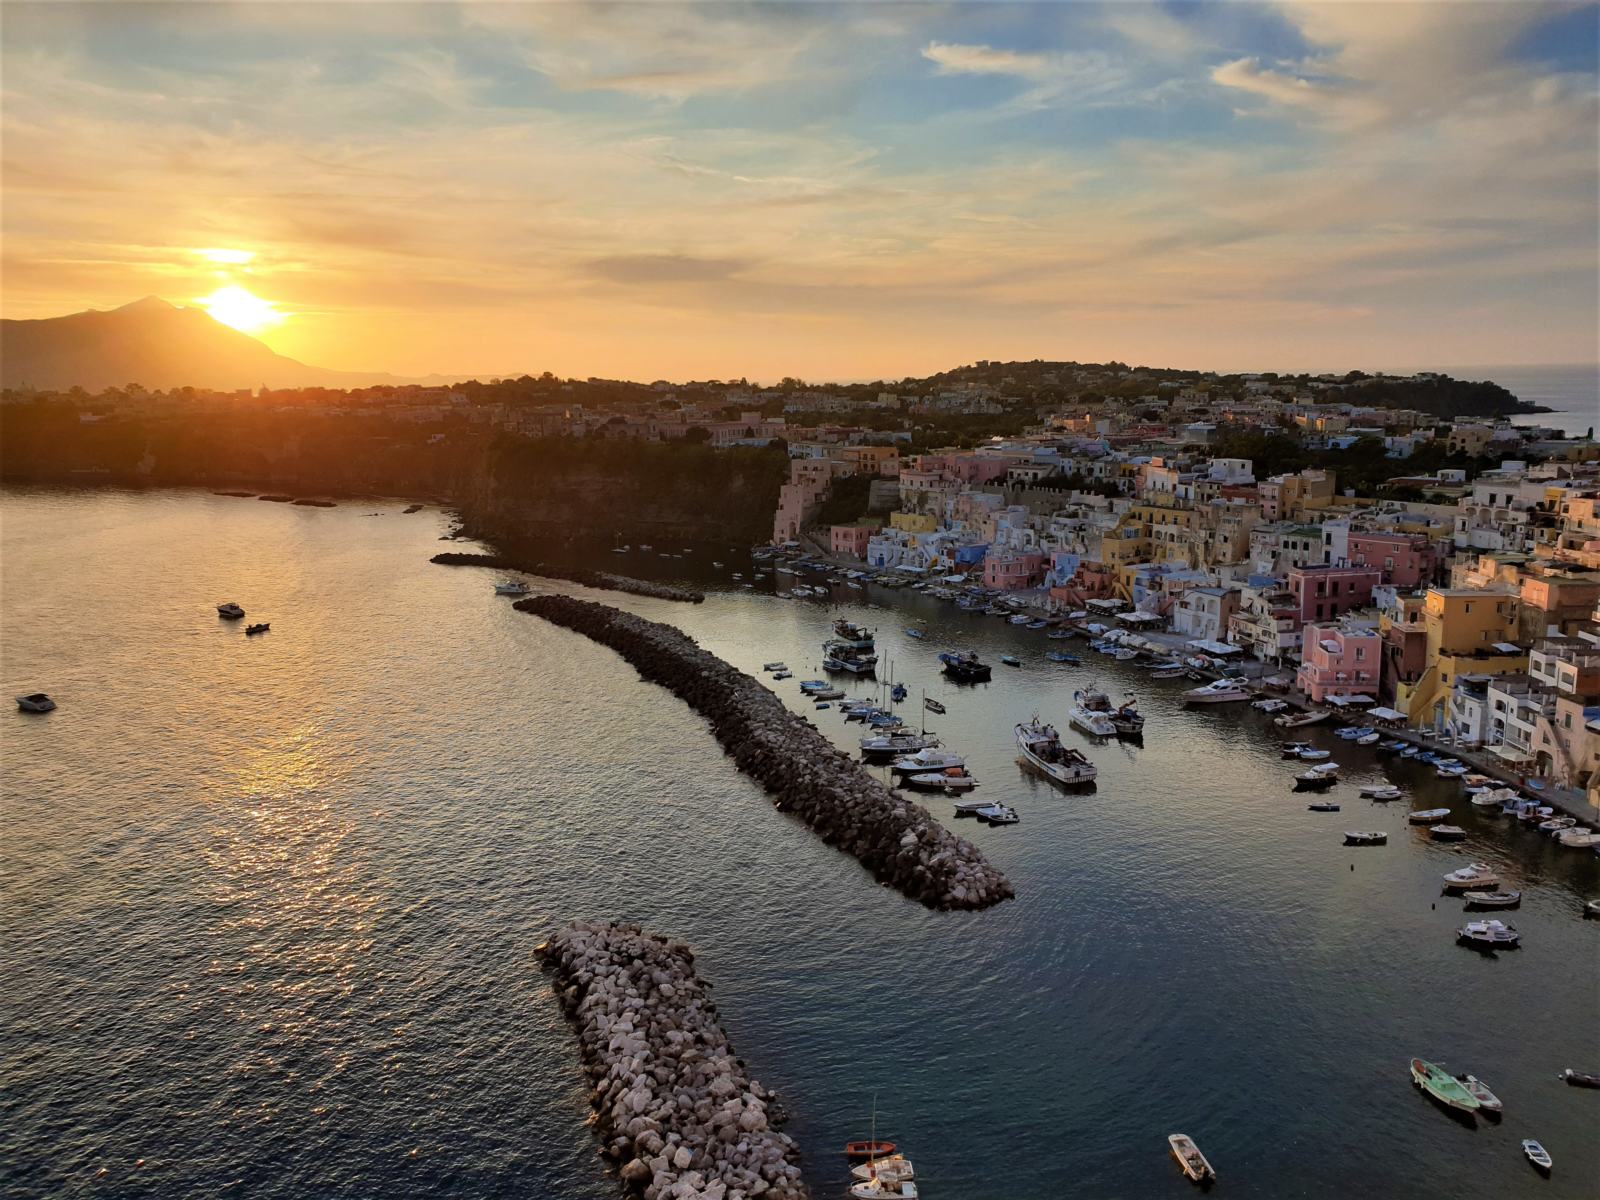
(156, 345)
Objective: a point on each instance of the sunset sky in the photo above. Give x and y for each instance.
(846, 191)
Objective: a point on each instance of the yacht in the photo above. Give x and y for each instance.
(230, 611)
(1222, 691)
(1091, 712)
(35, 702)
(1041, 746)
(965, 667)
(1473, 875)
(929, 759)
(510, 587)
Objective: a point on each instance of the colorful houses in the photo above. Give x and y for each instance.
(1340, 660)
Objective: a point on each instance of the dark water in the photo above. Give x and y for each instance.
(270, 903)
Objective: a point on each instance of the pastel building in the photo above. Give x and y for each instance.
(853, 539)
(1338, 660)
(1012, 571)
(1322, 593)
(1406, 560)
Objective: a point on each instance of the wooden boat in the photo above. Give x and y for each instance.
(1193, 1163)
(1580, 1078)
(252, 630)
(1444, 1087)
(1537, 1155)
(1321, 776)
(932, 705)
(1447, 833)
(1480, 900)
(1427, 816)
(868, 1149)
(1365, 837)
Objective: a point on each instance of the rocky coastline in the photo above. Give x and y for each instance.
(891, 835)
(674, 1106)
(596, 579)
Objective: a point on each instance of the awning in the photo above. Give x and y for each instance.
(1509, 753)
(1388, 714)
(1213, 647)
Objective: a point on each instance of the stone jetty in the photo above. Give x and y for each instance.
(673, 1105)
(595, 579)
(894, 837)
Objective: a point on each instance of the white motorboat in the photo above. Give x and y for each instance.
(1320, 776)
(1427, 816)
(879, 1189)
(1270, 706)
(510, 587)
(897, 743)
(35, 702)
(1365, 837)
(1473, 875)
(1041, 747)
(1294, 749)
(1370, 738)
(969, 807)
(1091, 712)
(891, 1168)
(951, 780)
(997, 814)
(1222, 691)
(230, 611)
(1489, 935)
(1488, 1103)
(1312, 717)
(928, 759)
(1380, 791)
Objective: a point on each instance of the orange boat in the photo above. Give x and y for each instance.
(868, 1149)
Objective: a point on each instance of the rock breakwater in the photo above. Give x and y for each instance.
(595, 579)
(673, 1104)
(893, 837)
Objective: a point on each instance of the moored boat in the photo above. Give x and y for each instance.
(1427, 816)
(930, 758)
(1488, 1103)
(229, 611)
(1447, 833)
(1583, 1079)
(1537, 1155)
(1320, 776)
(1041, 747)
(1365, 837)
(1444, 1087)
(965, 667)
(1323, 806)
(252, 630)
(1312, 717)
(510, 587)
(1221, 691)
(932, 705)
(1011, 660)
(1294, 749)
(1194, 1164)
(891, 1168)
(1489, 934)
(1473, 875)
(1091, 712)
(1578, 839)
(1481, 900)
(1380, 791)
(36, 702)
(868, 1149)
(997, 814)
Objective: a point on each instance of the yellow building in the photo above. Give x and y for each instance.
(913, 522)
(1470, 631)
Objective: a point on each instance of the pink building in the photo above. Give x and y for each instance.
(852, 539)
(1405, 560)
(1321, 593)
(1012, 571)
(1339, 662)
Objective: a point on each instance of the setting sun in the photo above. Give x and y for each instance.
(236, 307)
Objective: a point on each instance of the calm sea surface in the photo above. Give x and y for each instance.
(1573, 392)
(270, 903)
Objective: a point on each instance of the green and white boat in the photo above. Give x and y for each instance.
(1443, 1086)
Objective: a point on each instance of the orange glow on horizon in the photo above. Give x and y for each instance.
(244, 311)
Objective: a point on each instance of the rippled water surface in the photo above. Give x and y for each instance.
(270, 903)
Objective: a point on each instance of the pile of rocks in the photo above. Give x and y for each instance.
(672, 1103)
(595, 579)
(894, 837)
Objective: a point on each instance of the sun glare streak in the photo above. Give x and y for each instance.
(235, 258)
(243, 311)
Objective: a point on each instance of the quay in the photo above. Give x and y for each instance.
(673, 1104)
(895, 838)
(604, 580)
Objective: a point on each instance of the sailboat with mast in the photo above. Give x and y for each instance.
(885, 1174)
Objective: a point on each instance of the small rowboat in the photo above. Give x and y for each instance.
(1537, 1155)
(1193, 1163)
(1492, 899)
(1365, 837)
(1488, 1102)
(868, 1149)
(1581, 1078)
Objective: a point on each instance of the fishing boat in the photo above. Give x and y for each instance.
(1221, 691)
(932, 705)
(1447, 833)
(1537, 1155)
(1193, 1163)
(35, 702)
(1320, 776)
(966, 808)
(1583, 1079)
(510, 587)
(1489, 935)
(1311, 755)
(1091, 712)
(1370, 738)
(1442, 1086)
(782, 675)
(965, 667)
(1473, 875)
(1427, 816)
(229, 611)
(1312, 717)
(1011, 660)
(1323, 806)
(252, 630)
(773, 666)
(1380, 791)
(868, 1150)
(808, 686)
(1041, 747)
(1481, 900)
(1365, 837)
